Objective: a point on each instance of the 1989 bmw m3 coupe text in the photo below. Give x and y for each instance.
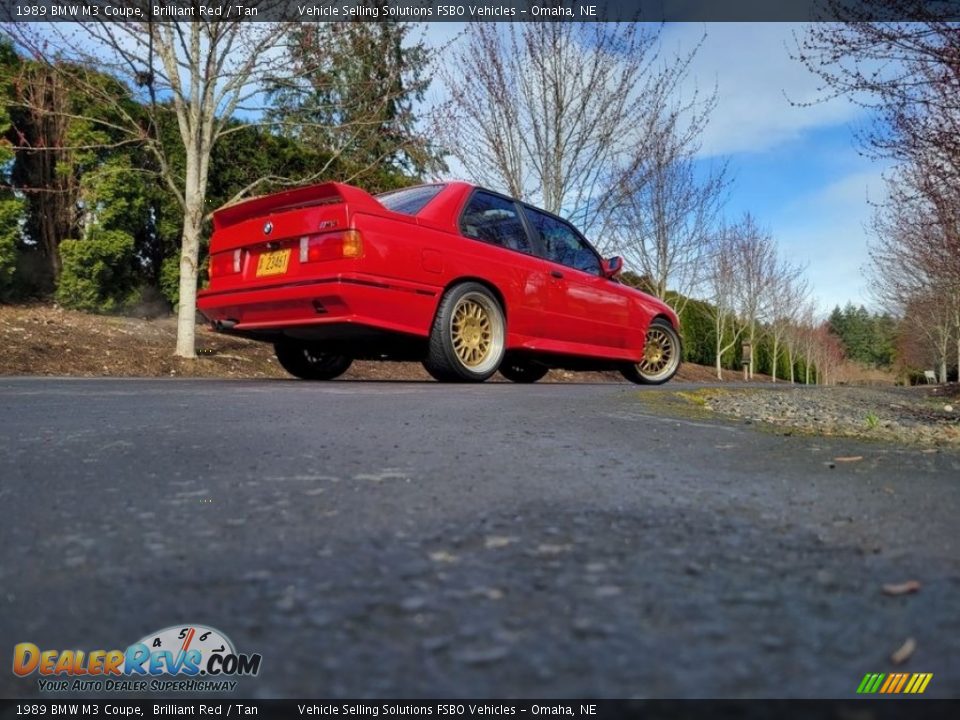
(462, 279)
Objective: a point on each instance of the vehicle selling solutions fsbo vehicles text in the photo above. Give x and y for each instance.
(441, 709)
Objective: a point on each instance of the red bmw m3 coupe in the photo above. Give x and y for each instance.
(465, 280)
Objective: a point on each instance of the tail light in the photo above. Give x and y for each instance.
(331, 246)
(225, 263)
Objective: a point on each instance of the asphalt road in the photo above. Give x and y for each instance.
(408, 539)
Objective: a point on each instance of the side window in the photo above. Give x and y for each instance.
(563, 244)
(409, 201)
(494, 220)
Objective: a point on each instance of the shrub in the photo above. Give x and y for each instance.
(170, 279)
(10, 210)
(98, 273)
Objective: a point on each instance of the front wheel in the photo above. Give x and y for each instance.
(308, 361)
(468, 338)
(661, 356)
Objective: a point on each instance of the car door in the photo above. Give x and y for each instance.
(587, 307)
(512, 262)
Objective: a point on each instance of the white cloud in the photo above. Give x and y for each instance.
(756, 79)
(827, 230)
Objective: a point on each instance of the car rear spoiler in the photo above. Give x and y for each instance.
(322, 194)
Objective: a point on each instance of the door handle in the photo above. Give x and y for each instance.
(557, 274)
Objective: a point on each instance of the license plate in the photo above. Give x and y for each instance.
(273, 263)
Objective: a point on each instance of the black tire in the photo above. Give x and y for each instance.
(308, 361)
(468, 338)
(662, 354)
(522, 371)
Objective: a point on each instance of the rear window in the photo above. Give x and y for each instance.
(409, 201)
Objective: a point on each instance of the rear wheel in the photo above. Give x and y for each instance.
(468, 337)
(308, 361)
(661, 356)
(522, 371)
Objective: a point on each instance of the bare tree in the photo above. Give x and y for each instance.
(757, 264)
(825, 352)
(795, 339)
(909, 73)
(554, 113)
(789, 293)
(925, 334)
(723, 284)
(666, 210)
(915, 259)
(739, 279)
(203, 72)
(905, 70)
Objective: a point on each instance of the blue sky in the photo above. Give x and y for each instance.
(797, 169)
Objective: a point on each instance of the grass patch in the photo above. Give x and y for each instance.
(688, 404)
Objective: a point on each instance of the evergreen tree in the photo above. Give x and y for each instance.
(351, 94)
(11, 207)
(866, 337)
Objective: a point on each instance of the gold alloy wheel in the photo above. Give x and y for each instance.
(659, 352)
(471, 332)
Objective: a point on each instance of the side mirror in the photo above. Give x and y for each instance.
(612, 267)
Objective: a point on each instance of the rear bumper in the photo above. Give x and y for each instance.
(347, 298)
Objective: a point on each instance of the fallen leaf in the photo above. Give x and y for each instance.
(442, 556)
(850, 458)
(551, 549)
(904, 652)
(904, 588)
(497, 541)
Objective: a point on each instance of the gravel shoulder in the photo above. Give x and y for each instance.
(919, 415)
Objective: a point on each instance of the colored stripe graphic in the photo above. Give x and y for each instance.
(892, 679)
(922, 685)
(894, 683)
(870, 683)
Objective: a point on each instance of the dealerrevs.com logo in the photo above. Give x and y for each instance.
(187, 658)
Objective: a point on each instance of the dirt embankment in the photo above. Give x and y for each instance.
(48, 340)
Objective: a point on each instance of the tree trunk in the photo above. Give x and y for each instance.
(956, 330)
(718, 328)
(190, 263)
(776, 353)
